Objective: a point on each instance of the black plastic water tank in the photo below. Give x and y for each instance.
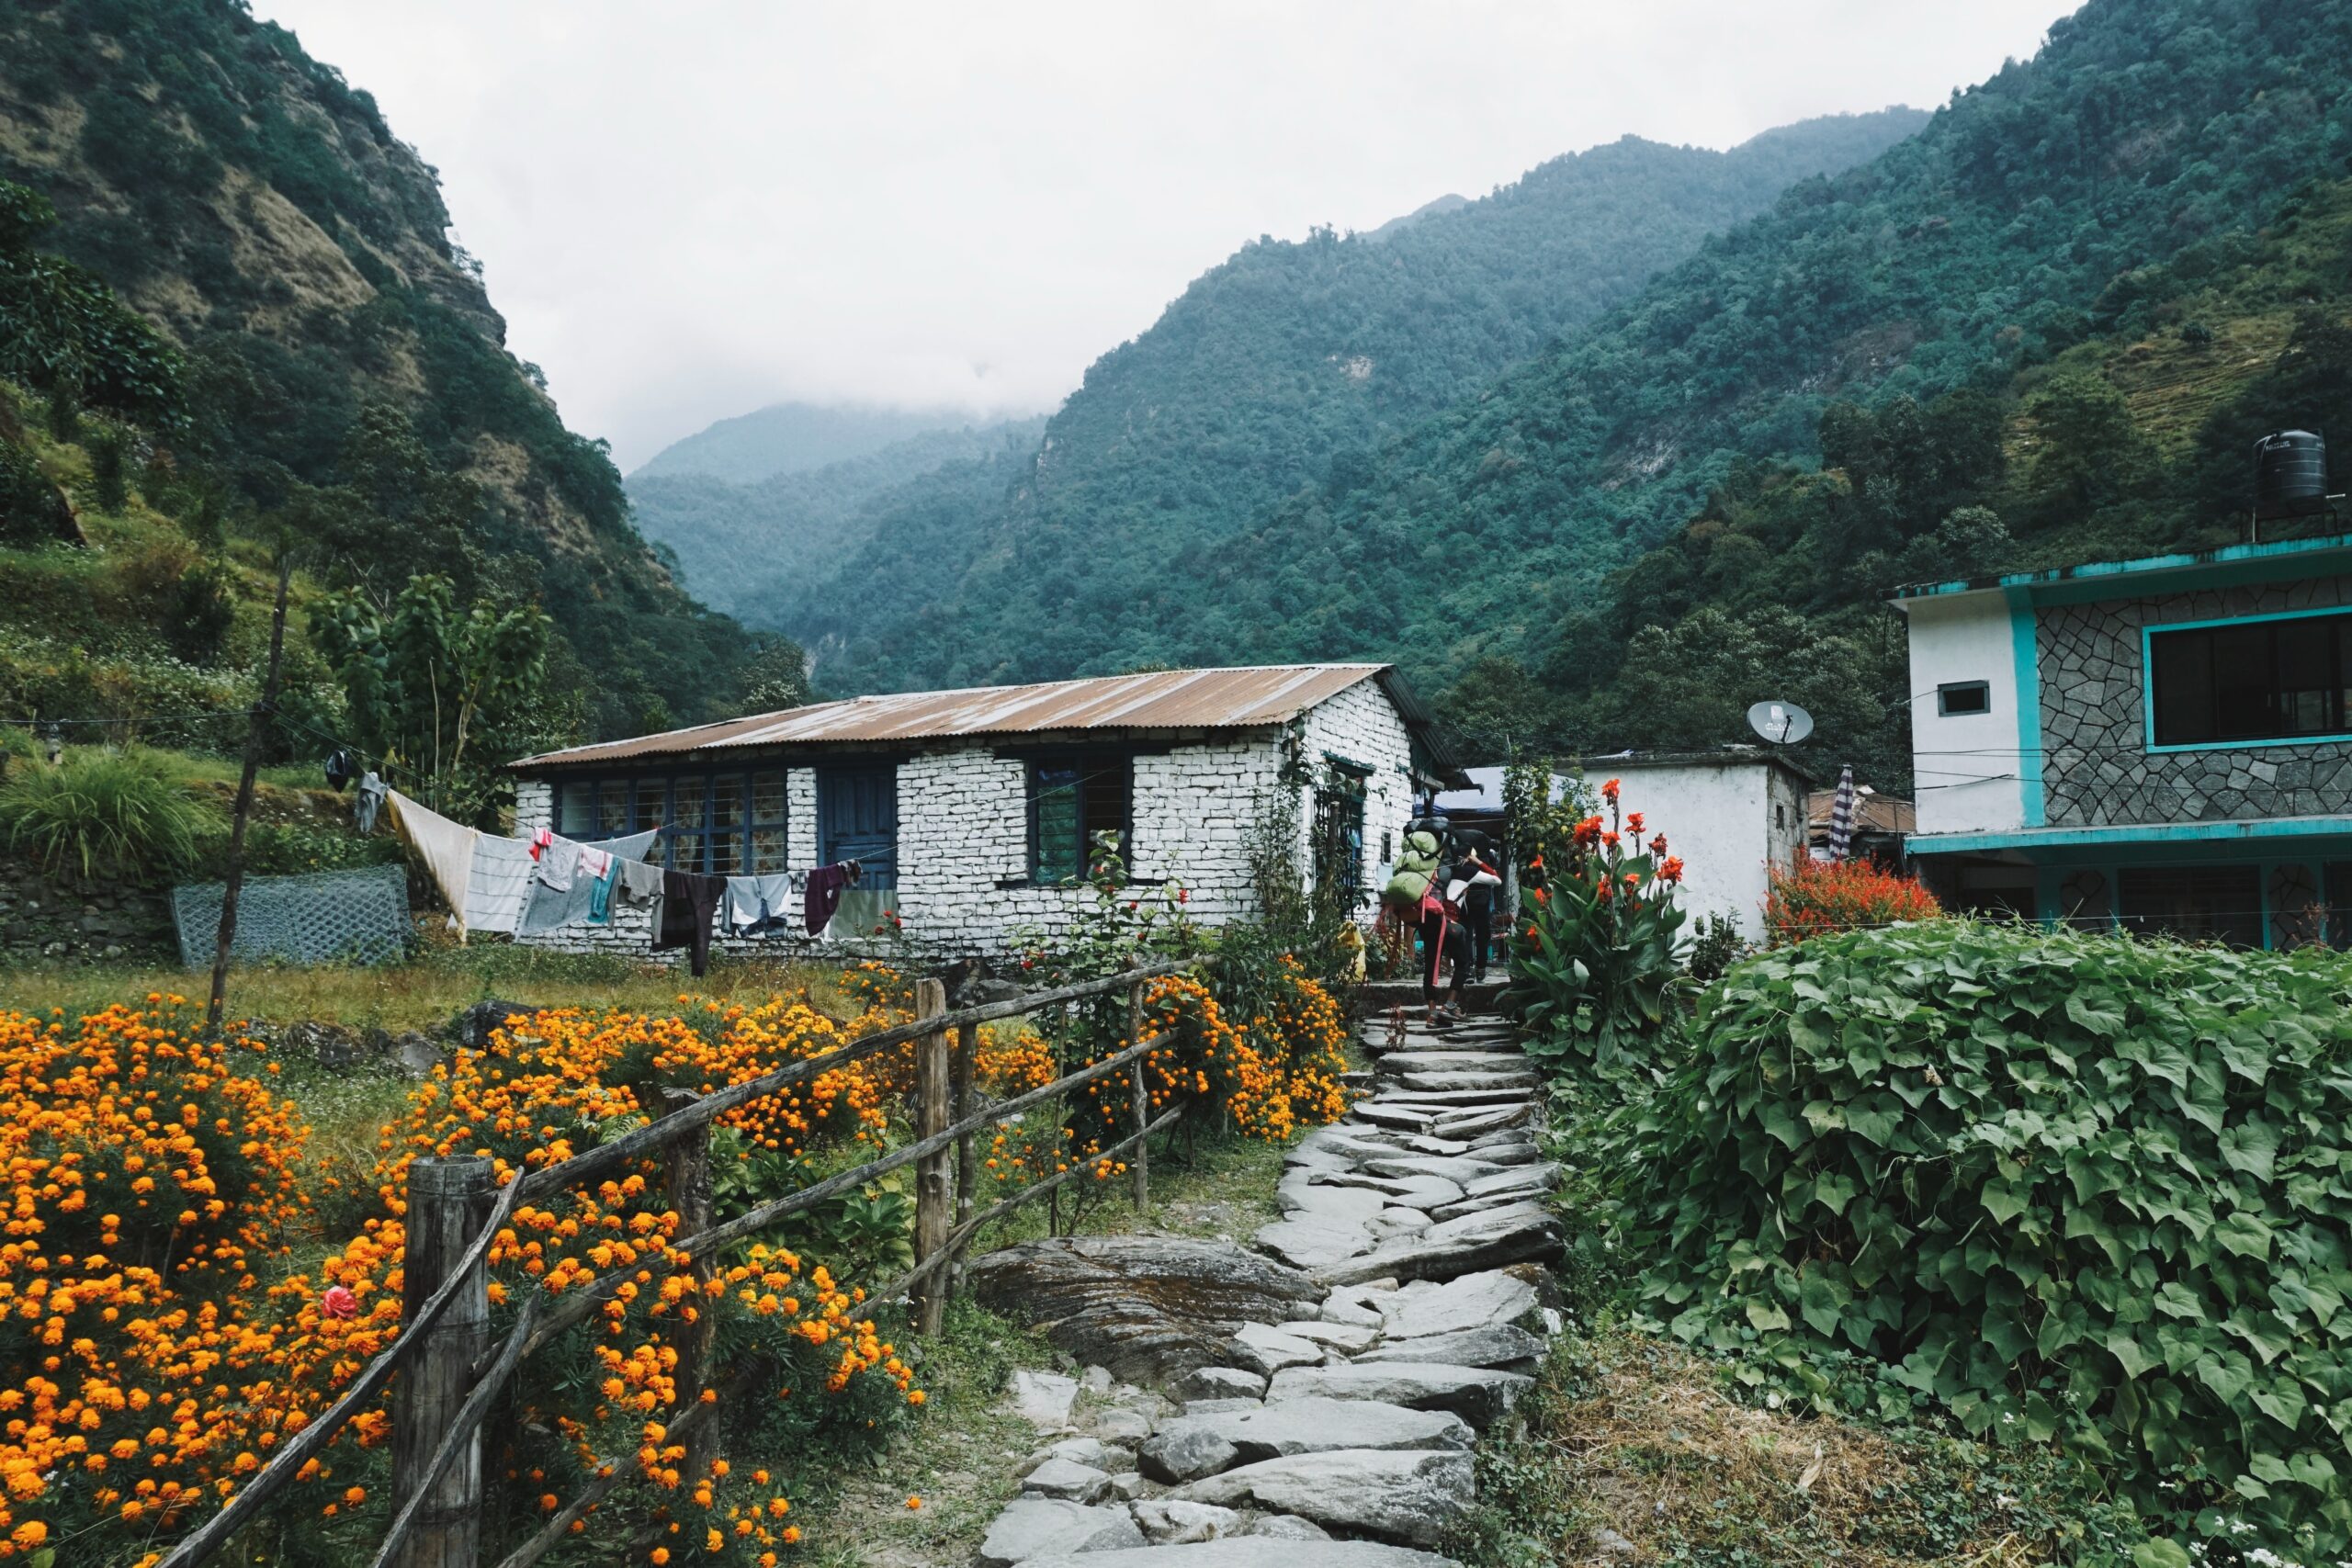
(2290, 474)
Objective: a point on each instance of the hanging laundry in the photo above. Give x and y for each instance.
(639, 882)
(689, 903)
(825, 886)
(368, 802)
(865, 913)
(741, 911)
(594, 861)
(556, 863)
(600, 891)
(340, 768)
(758, 904)
(500, 884)
(446, 849)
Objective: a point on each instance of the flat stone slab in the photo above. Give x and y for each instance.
(1345, 1338)
(1405, 1496)
(1195, 1446)
(1484, 1300)
(1326, 1201)
(1261, 1348)
(1452, 1061)
(1422, 1082)
(1398, 1220)
(1171, 1521)
(1475, 1123)
(1478, 1395)
(1541, 1176)
(1032, 1527)
(1068, 1479)
(1390, 1116)
(1147, 1307)
(1519, 1233)
(1306, 1242)
(1461, 1170)
(1043, 1399)
(1255, 1551)
(1497, 1344)
(1219, 1382)
(1406, 1191)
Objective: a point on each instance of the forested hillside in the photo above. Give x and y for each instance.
(755, 551)
(2047, 324)
(790, 438)
(1288, 364)
(342, 375)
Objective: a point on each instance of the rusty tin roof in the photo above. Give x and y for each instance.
(1237, 698)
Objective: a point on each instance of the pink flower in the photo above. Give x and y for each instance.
(339, 1301)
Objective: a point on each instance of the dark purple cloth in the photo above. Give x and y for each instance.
(689, 901)
(825, 885)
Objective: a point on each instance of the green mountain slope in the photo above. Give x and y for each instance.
(1286, 365)
(753, 550)
(347, 374)
(790, 438)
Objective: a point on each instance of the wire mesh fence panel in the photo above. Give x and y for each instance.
(329, 917)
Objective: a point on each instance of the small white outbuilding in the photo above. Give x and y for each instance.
(1731, 814)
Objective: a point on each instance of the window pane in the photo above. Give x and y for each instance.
(2245, 697)
(576, 812)
(2306, 675)
(1060, 850)
(726, 800)
(2198, 903)
(688, 800)
(767, 851)
(1103, 802)
(652, 811)
(767, 798)
(612, 807)
(687, 851)
(2184, 682)
(726, 853)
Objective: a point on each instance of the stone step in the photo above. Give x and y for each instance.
(1261, 1549)
(1441, 1082)
(1452, 1061)
(1478, 1395)
(1518, 1232)
(1409, 1497)
(1193, 1447)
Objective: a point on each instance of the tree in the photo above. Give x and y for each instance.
(2090, 452)
(434, 691)
(63, 334)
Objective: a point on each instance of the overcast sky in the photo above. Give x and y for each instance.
(691, 209)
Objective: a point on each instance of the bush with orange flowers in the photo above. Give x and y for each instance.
(1595, 960)
(1815, 897)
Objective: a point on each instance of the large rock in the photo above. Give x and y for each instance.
(1516, 1233)
(1484, 1300)
(1345, 1338)
(1474, 1125)
(1147, 1307)
(1478, 1395)
(474, 1026)
(1068, 1479)
(1031, 1528)
(1219, 1382)
(1330, 1203)
(1409, 1497)
(1043, 1399)
(1269, 1350)
(1461, 1172)
(1197, 1446)
(1255, 1551)
(1423, 1193)
(1498, 1345)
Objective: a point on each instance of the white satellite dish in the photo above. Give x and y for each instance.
(1783, 724)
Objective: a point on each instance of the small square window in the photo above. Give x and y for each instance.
(1955, 698)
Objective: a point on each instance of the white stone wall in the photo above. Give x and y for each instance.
(1729, 824)
(1970, 767)
(964, 829)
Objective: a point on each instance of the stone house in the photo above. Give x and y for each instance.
(971, 810)
(2161, 744)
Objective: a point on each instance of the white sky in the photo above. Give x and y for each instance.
(691, 209)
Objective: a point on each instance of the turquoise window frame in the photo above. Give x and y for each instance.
(2148, 632)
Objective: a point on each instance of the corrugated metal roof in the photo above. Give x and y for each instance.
(1168, 699)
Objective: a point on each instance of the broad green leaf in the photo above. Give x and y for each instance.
(2159, 1554)
(1765, 1318)
(2252, 1147)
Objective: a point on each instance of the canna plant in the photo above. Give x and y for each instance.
(1596, 966)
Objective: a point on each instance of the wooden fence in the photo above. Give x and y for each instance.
(451, 1375)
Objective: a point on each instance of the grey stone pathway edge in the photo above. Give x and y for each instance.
(1341, 1438)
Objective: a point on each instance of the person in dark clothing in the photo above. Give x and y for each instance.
(1472, 882)
(1443, 937)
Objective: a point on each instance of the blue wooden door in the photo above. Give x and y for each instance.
(857, 819)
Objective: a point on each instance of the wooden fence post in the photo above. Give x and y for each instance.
(960, 1069)
(448, 1200)
(1140, 1167)
(256, 734)
(686, 1192)
(934, 1200)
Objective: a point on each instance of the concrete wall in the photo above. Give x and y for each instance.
(1729, 824)
(2099, 770)
(962, 829)
(1968, 767)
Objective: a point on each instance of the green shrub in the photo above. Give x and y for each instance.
(2065, 1187)
(102, 813)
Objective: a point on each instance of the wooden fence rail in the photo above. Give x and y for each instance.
(453, 1217)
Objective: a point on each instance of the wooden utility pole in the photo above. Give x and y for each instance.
(934, 1200)
(448, 1200)
(256, 733)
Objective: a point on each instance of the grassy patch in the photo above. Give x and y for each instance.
(1646, 1441)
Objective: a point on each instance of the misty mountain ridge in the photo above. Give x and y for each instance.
(797, 437)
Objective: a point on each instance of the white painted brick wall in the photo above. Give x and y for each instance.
(963, 827)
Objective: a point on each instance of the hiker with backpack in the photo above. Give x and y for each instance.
(1415, 898)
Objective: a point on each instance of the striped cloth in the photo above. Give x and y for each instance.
(1841, 815)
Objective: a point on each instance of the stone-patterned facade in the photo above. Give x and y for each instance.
(1198, 799)
(2097, 769)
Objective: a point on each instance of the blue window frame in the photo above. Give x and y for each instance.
(725, 821)
(2251, 681)
(1073, 798)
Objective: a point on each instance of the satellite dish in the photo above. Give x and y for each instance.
(1783, 724)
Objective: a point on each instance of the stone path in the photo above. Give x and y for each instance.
(1315, 1408)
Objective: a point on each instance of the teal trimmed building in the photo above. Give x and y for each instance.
(2161, 744)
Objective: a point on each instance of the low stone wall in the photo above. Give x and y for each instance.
(66, 918)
